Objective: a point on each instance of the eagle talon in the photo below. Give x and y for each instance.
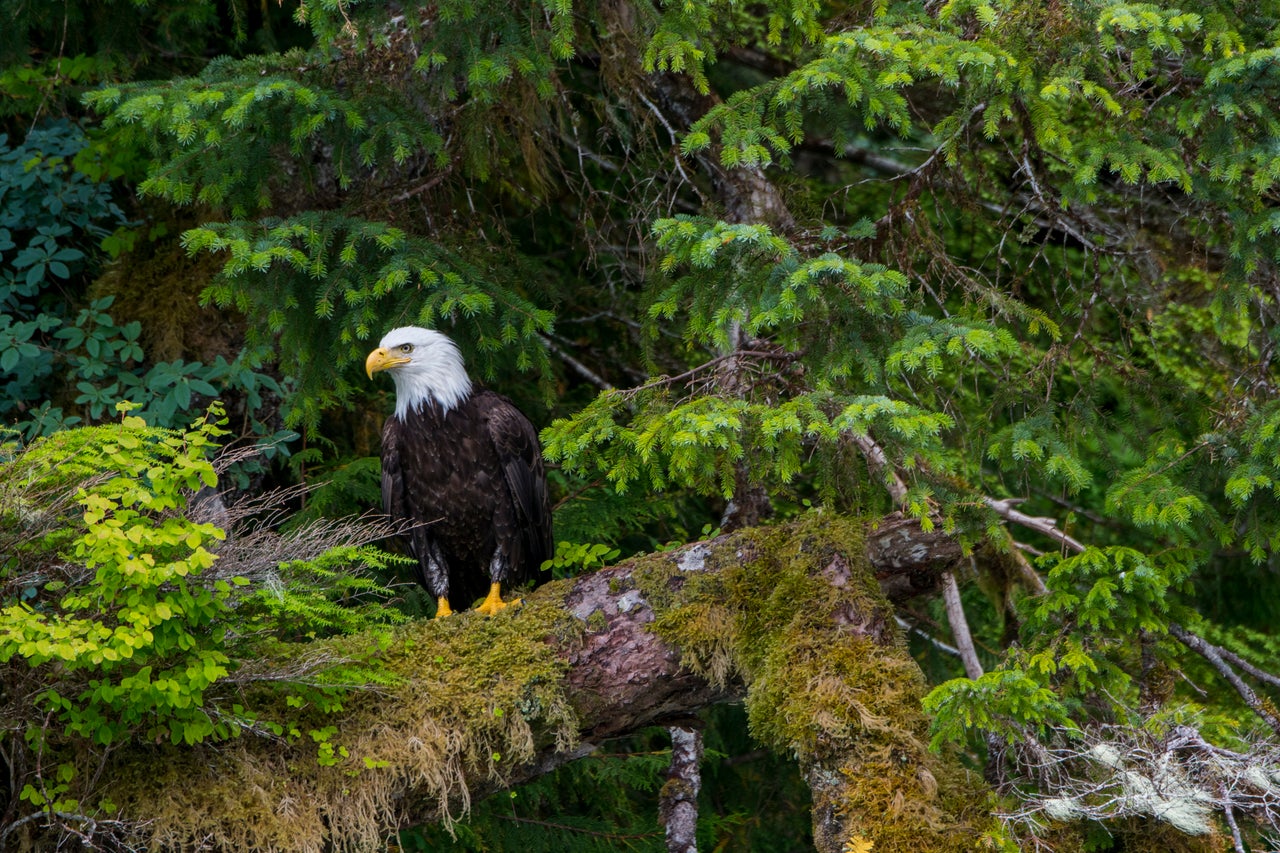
(442, 608)
(493, 602)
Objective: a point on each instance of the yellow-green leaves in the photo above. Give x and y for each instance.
(144, 608)
(131, 630)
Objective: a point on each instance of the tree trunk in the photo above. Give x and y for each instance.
(789, 619)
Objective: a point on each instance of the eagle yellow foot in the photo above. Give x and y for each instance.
(493, 601)
(442, 608)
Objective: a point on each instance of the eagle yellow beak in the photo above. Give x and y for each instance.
(380, 359)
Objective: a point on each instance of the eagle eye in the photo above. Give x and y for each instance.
(406, 348)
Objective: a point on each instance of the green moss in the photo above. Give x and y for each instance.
(828, 679)
(677, 789)
(467, 697)
(597, 622)
(783, 610)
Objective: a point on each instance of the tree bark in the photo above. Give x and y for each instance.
(789, 618)
(678, 800)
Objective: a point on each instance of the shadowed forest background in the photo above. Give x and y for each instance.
(997, 273)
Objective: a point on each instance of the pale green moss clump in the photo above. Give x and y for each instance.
(829, 680)
(467, 697)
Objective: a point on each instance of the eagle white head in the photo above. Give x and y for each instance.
(426, 366)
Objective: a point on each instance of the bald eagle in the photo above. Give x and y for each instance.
(465, 466)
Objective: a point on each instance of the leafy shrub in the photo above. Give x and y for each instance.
(118, 620)
(54, 217)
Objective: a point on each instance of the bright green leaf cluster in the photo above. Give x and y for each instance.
(114, 602)
(147, 628)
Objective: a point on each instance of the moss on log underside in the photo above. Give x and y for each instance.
(789, 619)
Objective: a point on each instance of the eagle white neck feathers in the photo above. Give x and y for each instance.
(429, 370)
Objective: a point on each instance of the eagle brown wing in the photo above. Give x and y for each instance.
(392, 475)
(396, 501)
(520, 457)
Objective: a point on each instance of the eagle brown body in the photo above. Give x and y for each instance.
(464, 466)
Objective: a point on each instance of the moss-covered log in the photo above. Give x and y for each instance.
(789, 619)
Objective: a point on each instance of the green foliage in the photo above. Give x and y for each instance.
(867, 69)
(608, 801)
(1009, 703)
(1022, 250)
(117, 619)
(1120, 590)
(572, 558)
(632, 521)
(334, 593)
(325, 277)
(50, 213)
(686, 35)
(335, 489)
(146, 628)
(837, 311)
(201, 128)
(1037, 442)
(53, 216)
(598, 804)
(1253, 484)
(1076, 645)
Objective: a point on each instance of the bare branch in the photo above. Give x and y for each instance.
(926, 636)
(1262, 675)
(1230, 814)
(960, 625)
(1047, 526)
(710, 364)
(879, 465)
(1213, 655)
(578, 367)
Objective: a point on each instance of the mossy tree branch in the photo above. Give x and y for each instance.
(789, 619)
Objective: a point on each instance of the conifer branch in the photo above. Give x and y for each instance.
(1211, 653)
